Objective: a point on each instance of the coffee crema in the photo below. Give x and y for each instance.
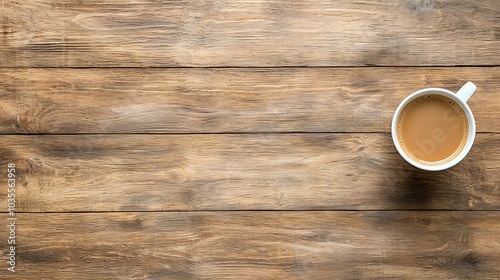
(432, 129)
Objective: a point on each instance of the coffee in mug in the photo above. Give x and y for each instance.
(433, 129)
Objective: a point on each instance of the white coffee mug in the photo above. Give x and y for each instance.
(459, 98)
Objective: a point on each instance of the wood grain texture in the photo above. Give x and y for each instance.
(151, 157)
(258, 245)
(241, 172)
(67, 33)
(227, 100)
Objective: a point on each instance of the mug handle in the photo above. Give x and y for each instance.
(466, 91)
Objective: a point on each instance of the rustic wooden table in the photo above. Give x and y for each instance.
(235, 139)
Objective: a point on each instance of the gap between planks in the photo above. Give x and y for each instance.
(255, 67)
(258, 210)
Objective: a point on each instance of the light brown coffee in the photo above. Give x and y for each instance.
(432, 129)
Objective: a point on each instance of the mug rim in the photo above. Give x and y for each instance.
(470, 137)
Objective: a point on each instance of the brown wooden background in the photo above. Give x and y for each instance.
(235, 139)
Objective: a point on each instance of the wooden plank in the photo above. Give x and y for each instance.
(226, 100)
(241, 172)
(258, 245)
(67, 33)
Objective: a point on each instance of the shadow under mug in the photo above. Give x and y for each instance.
(460, 98)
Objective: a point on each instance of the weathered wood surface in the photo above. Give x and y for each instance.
(227, 100)
(258, 245)
(243, 138)
(241, 172)
(139, 33)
